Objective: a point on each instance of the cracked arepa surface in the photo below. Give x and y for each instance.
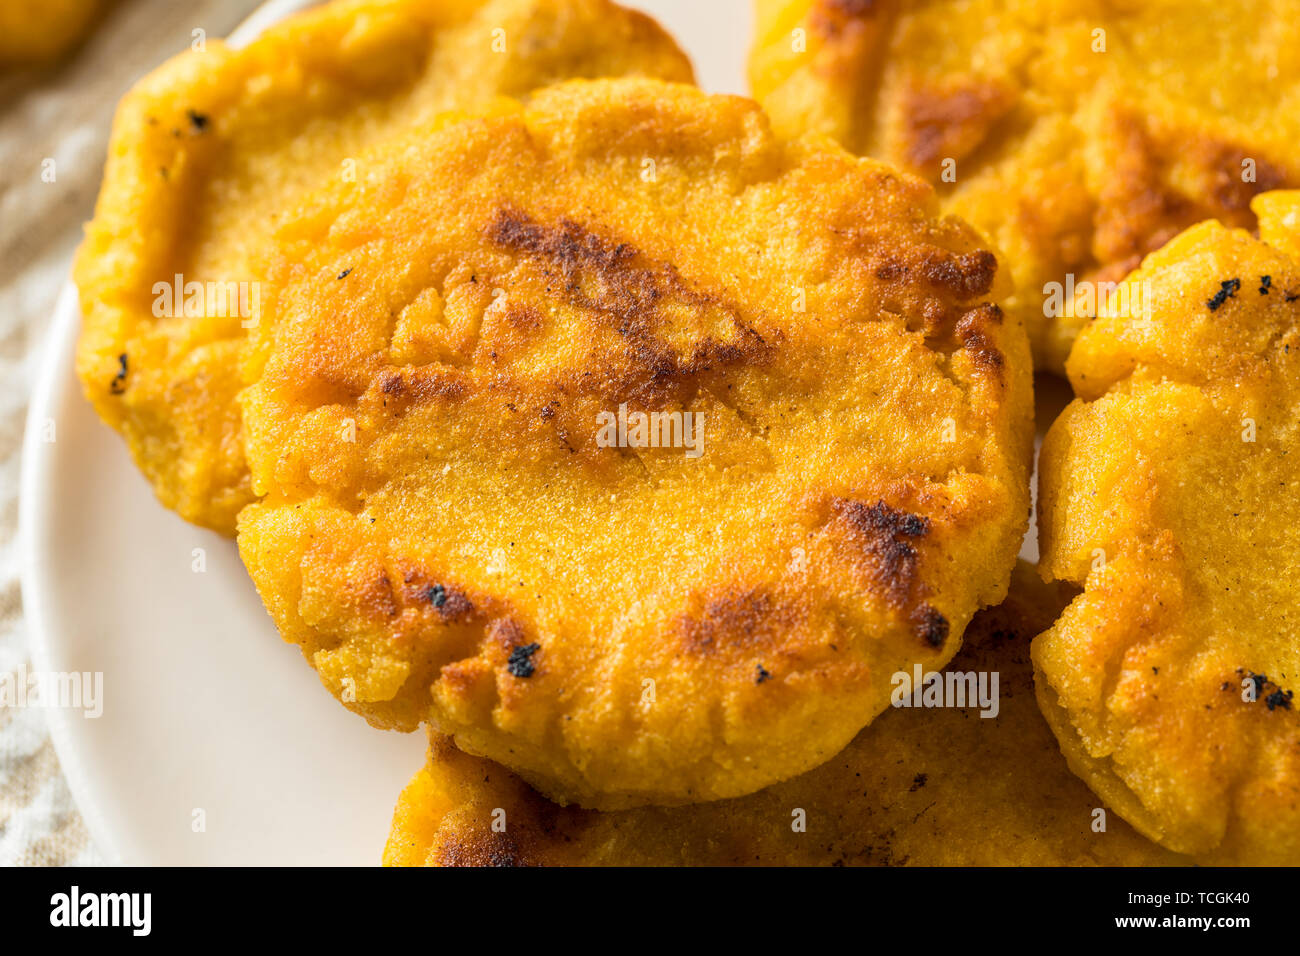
(1170, 491)
(450, 539)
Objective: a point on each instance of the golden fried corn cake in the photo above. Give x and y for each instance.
(1078, 135)
(210, 151)
(1170, 491)
(938, 786)
(38, 32)
(629, 445)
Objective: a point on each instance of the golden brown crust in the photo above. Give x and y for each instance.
(1074, 159)
(1169, 493)
(641, 625)
(210, 150)
(927, 787)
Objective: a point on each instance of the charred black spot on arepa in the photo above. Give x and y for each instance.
(451, 604)
(520, 663)
(118, 385)
(199, 122)
(1227, 290)
(1266, 691)
(931, 626)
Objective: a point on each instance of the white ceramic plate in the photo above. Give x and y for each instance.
(205, 710)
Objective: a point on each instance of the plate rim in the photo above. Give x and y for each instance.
(56, 359)
(47, 400)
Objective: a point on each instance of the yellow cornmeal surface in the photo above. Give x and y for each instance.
(1170, 491)
(447, 539)
(920, 787)
(1081, 134)
(211, 150)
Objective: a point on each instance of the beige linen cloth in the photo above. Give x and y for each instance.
(61, 113)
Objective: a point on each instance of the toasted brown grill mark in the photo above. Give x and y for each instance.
(852, 8)
(630, 297)
(569, 245)
(951, 124)
(972, 332)
(962, 276)
(1230, 192)
(966, 276)
(508, 633)
(376, 597)
(455, 607)
(422, 384)
(749, 620)
(525, 321)
(1141, 209)
(884, 536)
(482, 848)
(829, 18)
